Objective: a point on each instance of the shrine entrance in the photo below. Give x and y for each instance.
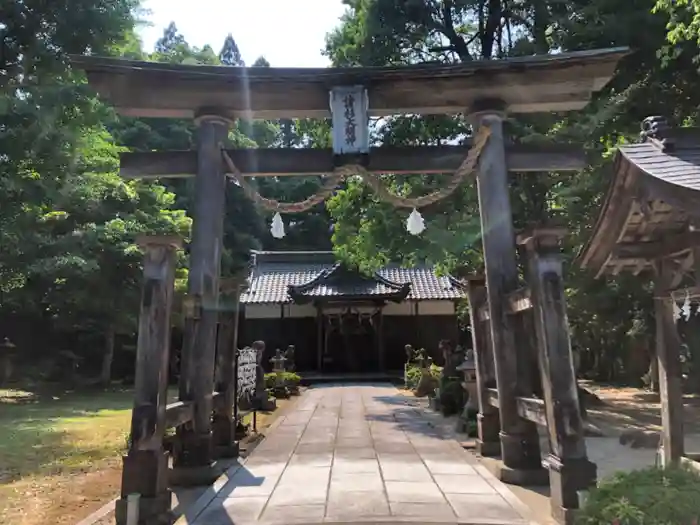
(352, 342)
(485, 93)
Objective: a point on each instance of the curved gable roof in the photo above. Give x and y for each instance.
(654, 195)
(318, 275)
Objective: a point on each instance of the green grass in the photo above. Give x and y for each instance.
(60, 452)
(45, 434)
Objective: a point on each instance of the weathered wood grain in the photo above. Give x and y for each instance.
(668, 347)
(277, 162)
(194, 448)
(532, 409)
(488, 443)
(569, 468)
(559, 82)
(178, 413)
(519, 440)
(145, 464)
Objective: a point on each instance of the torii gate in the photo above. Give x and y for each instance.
(484, 91)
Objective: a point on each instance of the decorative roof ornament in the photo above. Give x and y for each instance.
(656, 128)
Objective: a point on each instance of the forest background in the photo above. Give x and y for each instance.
(70, 272)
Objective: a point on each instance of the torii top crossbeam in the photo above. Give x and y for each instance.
(558, 82)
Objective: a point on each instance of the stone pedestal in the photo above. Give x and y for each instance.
(488, 442)
(146, 473)
(566, 482)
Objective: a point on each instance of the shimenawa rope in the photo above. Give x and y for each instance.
(341, 173)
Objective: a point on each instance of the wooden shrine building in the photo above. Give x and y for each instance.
(649, 226)
(341, 321)
(485, 93)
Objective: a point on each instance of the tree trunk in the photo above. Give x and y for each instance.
(107, 356)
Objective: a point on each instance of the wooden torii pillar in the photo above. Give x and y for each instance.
(570, 470)
(668, 346)
(145, 469)
(193, 453)
(488, 442)
(520, 449)
(224, 423)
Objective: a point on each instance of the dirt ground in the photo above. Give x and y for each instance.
(622, 408)
(627, 407)
(182, 498)
(60, 454)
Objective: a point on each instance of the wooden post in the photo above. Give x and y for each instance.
(146, 465)
(380, 340)
(520, 449)
(193, 452)
(668, 355)
(224, 423)
(570, 471)
(319, 339)
(488, 443)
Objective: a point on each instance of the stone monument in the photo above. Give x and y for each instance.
(261, 401)
(278, 368)
(427, 383)
(289, 355)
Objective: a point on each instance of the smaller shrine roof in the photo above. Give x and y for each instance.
(339, 281)
(286, 277)
(652, 208)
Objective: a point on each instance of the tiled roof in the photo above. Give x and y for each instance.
(273, 272)
(680, 166)
(338, 281)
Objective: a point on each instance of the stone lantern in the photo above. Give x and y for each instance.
(468, 369)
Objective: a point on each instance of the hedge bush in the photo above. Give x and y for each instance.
(413, 375)
(290, 379)
(651, 496)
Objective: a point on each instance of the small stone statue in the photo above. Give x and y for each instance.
(452, 358)
(289, 355)
(409, 353)
(261, 401)
(427, 383)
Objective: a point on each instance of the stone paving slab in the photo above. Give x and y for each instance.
(360, 454)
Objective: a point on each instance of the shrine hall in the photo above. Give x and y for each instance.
(341, 321)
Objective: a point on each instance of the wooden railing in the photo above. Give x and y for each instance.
(178, 413)
(530, 408)
(532, 321)
(516, 302)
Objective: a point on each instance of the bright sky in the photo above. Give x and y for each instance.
(286, 33)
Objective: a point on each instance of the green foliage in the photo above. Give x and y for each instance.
(657, 78)
(67, 248)
(451, 397)
(290, 379)
(412, 377)
(683, 24)
(652, 496)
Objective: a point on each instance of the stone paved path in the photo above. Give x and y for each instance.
(359, 454)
